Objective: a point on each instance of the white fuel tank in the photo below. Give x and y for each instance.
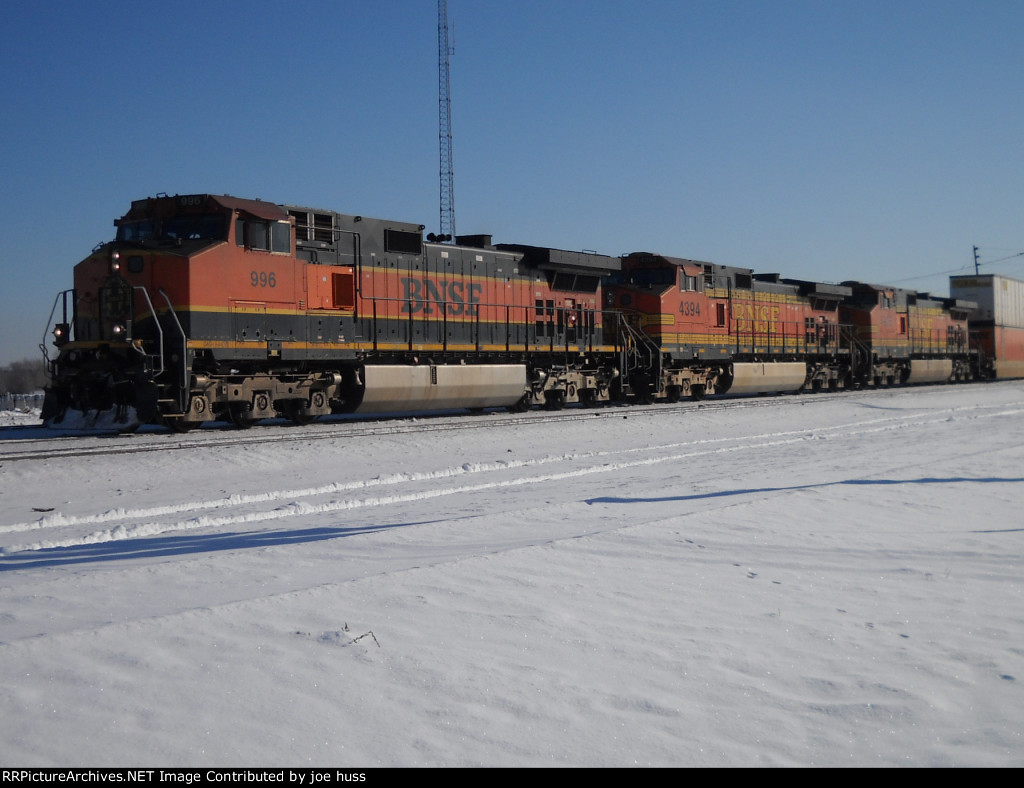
(439, 387)
(767, 378)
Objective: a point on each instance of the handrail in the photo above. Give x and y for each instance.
(61, 296)
(860, 353)
(637, 346)
(156, 322)
(411, 310)
(183, 401)
(796, 336)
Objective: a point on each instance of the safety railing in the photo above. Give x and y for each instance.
(949, 339)
(482, 325)
(780, 337)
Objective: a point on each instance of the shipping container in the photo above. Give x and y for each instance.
(1000, 299)
(997, 325)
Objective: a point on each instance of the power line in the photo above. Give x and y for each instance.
(925, 276)
(977, 267)
(1004, 259)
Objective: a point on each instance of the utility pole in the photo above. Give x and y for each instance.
(977, 267)
(444, 52)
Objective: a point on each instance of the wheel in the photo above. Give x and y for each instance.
(241, 416)
(642, 391)
(522, 405)
(295, 411)
(178, 424)
(554, 400)
(673, 393)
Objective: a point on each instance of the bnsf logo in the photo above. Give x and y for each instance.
(427, 297)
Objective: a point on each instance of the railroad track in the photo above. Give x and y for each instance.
(13, 449)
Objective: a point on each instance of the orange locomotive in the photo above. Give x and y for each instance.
(716, 329)
(899, 336)
(211, 307)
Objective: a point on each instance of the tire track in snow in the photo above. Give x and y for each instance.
(236, 500)
(695, 449)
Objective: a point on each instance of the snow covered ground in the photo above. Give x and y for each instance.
(798, 581)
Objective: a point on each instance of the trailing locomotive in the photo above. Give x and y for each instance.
(716, 329)
(209, 307)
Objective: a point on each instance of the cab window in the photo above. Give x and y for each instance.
(263, 236)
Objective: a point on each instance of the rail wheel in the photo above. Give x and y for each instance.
(554, 399)
(240, 414)
(522, 405)
(296, 412)
(673, 393)
(643, 393)
(178, 424)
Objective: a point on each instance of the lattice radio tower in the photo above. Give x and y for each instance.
(445, 51)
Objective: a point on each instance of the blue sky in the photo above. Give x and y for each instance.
(825, 140)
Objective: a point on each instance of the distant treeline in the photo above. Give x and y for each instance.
(22, 377)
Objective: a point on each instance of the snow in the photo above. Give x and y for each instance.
(791, 581)
(10, 418)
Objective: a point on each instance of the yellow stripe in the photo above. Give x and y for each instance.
(200, 344)
(402, 318)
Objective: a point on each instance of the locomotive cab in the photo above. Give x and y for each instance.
(673, 302)
(139, 299)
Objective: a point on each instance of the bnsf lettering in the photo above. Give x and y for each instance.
(758, 312)
(429, 297)
(757, 318)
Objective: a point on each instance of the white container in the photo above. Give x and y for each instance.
(1000, 299)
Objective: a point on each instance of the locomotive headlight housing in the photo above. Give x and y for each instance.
(61, 333)
(118, 330)
(115, 262)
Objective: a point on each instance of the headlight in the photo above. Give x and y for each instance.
(115, 262)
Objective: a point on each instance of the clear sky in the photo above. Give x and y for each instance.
(827, 140)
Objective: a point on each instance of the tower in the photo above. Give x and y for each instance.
(444, 52)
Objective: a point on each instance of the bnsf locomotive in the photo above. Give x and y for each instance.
(217, 308)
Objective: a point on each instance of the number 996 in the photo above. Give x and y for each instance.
(263, 279)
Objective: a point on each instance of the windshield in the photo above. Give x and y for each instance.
(645, 277)
(211, 226)
(136, 231)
